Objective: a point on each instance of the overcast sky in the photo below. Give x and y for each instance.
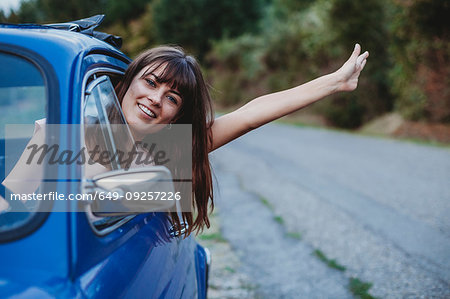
(5, 5)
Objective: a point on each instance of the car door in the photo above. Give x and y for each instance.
(33, 243)
(135, 256)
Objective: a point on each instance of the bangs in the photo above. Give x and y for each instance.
(177, 73)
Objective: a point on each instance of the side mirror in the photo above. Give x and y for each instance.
(133, 191)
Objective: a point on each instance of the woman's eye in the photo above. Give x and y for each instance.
(150, 82)
(172, 99)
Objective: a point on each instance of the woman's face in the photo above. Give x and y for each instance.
(148, 104)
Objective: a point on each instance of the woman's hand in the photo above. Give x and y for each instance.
(348, 74)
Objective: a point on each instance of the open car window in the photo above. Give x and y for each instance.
(105, 124)
(105, 129)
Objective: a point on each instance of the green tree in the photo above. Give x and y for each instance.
(3, 18)
(285, 8)
(59, 11)
(364, 22)
(124, 11)
(49, 11)
(421, 51)
(194, 24)
(30, 12)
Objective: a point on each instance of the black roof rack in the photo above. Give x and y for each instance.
(87, 26)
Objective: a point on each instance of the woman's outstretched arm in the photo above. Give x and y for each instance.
(272, 106)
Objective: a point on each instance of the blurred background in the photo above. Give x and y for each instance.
(303, 212)
(248, 48)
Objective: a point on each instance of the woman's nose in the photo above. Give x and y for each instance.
(155, 99)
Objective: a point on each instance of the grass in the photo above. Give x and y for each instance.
(265, 202)
(213, 237)
(357, 287)
(279, 219)
(294, 235)
(229, 269)
(330, 263)
(360, 289)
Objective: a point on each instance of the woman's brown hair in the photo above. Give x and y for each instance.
(184, 74)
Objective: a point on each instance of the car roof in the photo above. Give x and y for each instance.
(47, 41)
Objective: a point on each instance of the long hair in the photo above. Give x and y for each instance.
(184, 74)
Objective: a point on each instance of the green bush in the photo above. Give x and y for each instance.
(277, 58)
(124, 11)
(234, 69)
(363, 22)
(306, 42)
(194, 24)
(421, 52)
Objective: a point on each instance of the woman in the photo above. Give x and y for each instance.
(165, 86)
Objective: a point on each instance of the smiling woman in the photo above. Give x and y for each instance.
(54, 78)
(168, 84)
(164, 86)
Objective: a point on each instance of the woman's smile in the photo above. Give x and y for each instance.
(147, 111)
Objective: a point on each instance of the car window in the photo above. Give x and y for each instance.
(22, 91)
(23, 101)
(105, 128)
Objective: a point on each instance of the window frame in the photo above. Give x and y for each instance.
(52, 97)
(115, 221)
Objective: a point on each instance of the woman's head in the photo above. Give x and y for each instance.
(164, 85)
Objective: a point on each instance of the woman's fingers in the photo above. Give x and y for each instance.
(356, 51)
(361, 60)
(363, 63)
(362, 57)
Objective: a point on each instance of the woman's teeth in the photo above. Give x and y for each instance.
(146, 111)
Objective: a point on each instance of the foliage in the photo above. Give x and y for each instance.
(124, 11)
(360, 288)
(132, 19)
(50, 11)
(234, 66)
(363, 22)
(257, 46)
(29, 12)
(298, 43)
(3, 17)
(194, 24)
(421, 53)
(284, 8)
(139, 34)
(279, 219)
(329, 262)
(213, 236)
(294, 235)
(276, 58)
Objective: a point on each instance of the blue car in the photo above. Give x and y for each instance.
(62, 248)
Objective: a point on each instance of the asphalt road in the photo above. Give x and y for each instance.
(379, 207)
